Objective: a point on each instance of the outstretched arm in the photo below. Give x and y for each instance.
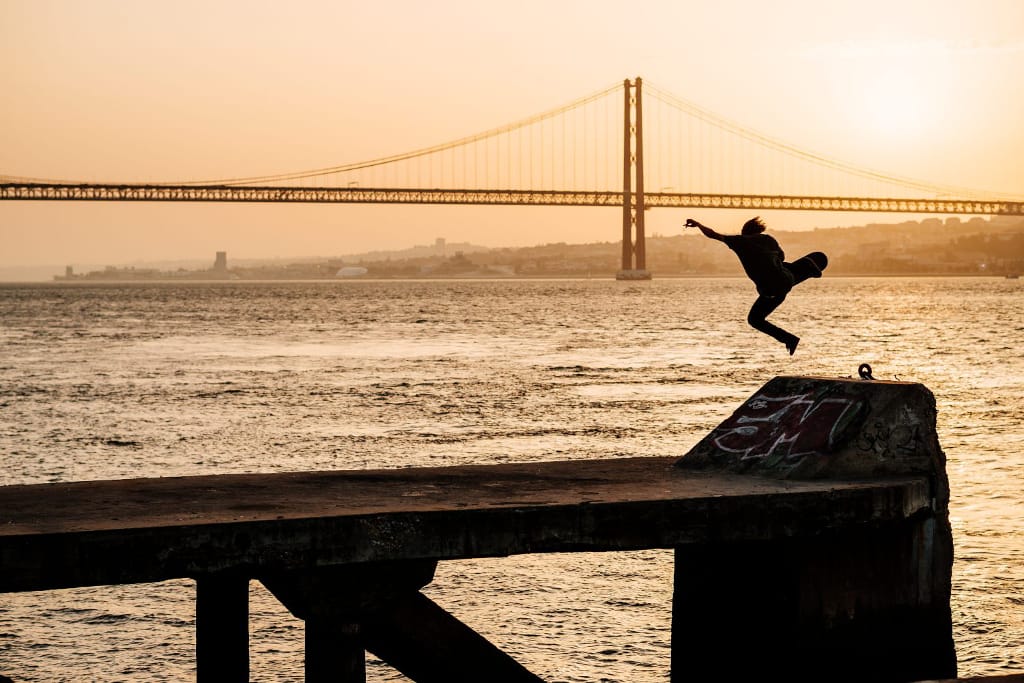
(708, 232)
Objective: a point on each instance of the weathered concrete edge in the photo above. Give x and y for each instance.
(49, 561)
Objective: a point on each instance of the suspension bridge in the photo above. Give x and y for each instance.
(589, 152)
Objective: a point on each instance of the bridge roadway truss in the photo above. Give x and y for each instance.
(365, 195)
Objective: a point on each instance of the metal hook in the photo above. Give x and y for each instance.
(864, 371)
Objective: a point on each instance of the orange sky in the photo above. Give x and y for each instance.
(118, 90)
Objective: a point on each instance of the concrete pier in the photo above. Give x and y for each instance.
(810, 530)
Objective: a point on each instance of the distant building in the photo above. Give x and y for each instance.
(351, 271)
(439, 245)
(220, 265)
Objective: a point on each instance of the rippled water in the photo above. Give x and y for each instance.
(129, 380)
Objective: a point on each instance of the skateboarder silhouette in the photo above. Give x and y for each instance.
(763, 261)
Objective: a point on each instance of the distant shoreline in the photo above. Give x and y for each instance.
(929, 248)
(85, 281)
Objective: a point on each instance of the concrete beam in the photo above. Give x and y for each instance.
(141, 530)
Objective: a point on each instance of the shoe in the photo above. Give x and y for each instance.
(791, 345)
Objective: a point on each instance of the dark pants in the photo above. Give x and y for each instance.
(803, 268)
(762, 308)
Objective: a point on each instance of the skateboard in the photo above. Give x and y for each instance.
(808, 266)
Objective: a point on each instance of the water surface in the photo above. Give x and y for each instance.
(102, 381)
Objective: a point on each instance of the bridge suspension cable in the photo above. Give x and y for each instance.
(371, 163)
(766, 142)
(572, 155)
(460, 142)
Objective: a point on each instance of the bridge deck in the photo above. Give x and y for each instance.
(127, 192)
(139, 530)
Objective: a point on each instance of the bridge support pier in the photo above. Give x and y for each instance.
(634, 253)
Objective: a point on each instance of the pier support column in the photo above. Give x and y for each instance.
(851, 607)
(222, 628)
(377, 607)
(334, 651)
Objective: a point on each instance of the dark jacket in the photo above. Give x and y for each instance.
(762, 260)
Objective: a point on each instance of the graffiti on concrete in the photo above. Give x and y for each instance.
(786, 429)
(897, 441)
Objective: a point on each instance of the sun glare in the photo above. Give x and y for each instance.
(893, 93)
(895, 106)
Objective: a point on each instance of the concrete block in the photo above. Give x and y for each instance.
(866, 602)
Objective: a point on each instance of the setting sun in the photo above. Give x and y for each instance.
(895, 107)
(892, 92)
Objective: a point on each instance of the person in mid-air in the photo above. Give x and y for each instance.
(764, 262)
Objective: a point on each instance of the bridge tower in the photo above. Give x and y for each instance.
(634, 249)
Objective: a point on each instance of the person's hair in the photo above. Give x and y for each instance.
(754, 226)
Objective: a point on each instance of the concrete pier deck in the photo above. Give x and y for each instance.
(143, 530)
(810, 532)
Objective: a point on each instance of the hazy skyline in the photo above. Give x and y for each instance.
(135, 92)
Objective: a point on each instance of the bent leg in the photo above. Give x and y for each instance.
(762, 308)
